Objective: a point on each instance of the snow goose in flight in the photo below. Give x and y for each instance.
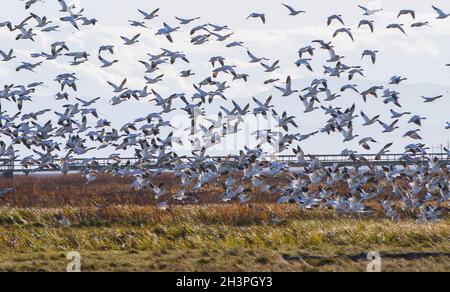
(417, 120)
(413, 134)
(431, 99)
(130, 41)
(369, 23)
(241, 112)
(309, 105)
(306, 63)
(406, 12)
(217, 28)
(29, 3)
(441, 14)
(284, 121)
(120, 88)
(270, 81)
(154, 80)
(41, 21)
(262, 108)
(344, 30)
(353, 72)
(7, 57)
(258, 15)
(324, 45)
(28, 66)
(365, 142)
(352, 87)
(287, 90)
(300, 155)
(217, 59)
(149, 68)
(235, 44)
(65, 7)
(26, 34)
(90, 177)
(34, 116)
(368, 121)
(237, 76)
(397, 26)
(292, 11)
(109, 48)
(36, 84)
(137, 23)
(221, 38)
(371, 54)
(271, 68)
(335, 17)
(305, 137)
(184, 21)
(88, 21)
(175, 55)
(158, 190)
(70, 19)
(78, 57)
(166, 31)
(85, 103)
(50, 28)
(199, 28)
(200, 39)
(396, 80)
(309, 49)
(348, 134)
(59, 46)
(184, 196)
(368, 11)
(334, 72)
(106, 63)
(331, 96)
(52, 56)
(186, 73)
(392, 97)
(384, 151)
(149, 16)
(334, 57)
(396, 115)
(389, 128)
(255, 59)
(420, 24)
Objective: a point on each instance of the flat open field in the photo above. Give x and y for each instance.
(127, 233)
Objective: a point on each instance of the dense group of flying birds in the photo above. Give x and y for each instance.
(419, 187)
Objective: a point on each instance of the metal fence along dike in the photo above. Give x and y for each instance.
(9, 168)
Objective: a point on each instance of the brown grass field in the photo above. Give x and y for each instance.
(128, 233)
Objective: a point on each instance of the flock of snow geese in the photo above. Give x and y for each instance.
(420, 189)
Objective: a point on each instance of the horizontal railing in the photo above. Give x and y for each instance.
(78, 163)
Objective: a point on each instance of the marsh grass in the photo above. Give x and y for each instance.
(214, 234)
(128, 233)
(192, 245)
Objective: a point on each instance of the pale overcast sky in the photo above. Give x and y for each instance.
(420, 56)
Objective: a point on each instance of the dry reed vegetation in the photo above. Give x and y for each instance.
(71, 190)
